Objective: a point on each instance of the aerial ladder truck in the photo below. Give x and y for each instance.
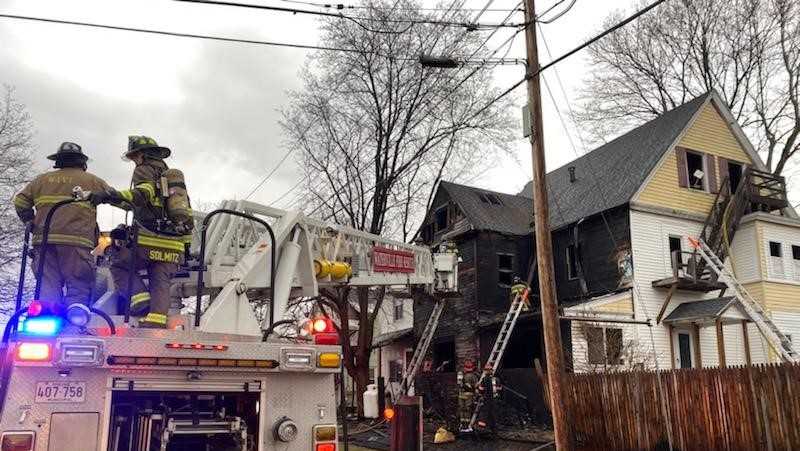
(217, 378)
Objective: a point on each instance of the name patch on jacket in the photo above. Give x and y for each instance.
(161, 255)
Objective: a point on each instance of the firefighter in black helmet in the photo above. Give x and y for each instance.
(68, 272)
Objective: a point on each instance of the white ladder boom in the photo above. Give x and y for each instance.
(496, 356)
(779, 342)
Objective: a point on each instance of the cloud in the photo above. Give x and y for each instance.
(215, 104)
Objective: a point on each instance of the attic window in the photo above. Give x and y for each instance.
(695, 165)
(488, 198)
(441, 219)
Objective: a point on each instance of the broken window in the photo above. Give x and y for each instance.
(505, 269)
(441, 221)
(397, 307)
(427, 233)
(444, 357)
(735, 171)
(594, 345)
(613, 346)
(696, 167)
(572, 262)
(776, 259)
(604, 346)
(796, 261)
(675, 245)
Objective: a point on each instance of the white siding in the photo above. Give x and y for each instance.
(632, 351)
(650, 243)
(786, 268)
(744, 254)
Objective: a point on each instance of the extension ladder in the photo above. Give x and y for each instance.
(496, 356)
(777, 339)
(422, 346)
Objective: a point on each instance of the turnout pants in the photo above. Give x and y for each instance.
(154, 298)
(67, 274)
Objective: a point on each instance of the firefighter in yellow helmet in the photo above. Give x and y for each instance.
(160, 243)
(69, 268)
(520, 288)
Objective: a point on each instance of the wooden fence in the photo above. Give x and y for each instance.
(735, 408)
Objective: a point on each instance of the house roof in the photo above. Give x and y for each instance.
(513, 216)
(392, 337)
(610, 175)
(708, 309)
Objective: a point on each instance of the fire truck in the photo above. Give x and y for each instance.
(217, 378)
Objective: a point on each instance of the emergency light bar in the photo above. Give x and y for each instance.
(181, 361)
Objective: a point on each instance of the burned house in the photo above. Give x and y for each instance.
(622, 217)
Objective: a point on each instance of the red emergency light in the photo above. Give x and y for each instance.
(323, 331)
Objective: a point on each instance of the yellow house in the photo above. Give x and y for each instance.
(708, 182)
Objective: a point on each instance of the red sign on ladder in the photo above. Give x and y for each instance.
(392, 260)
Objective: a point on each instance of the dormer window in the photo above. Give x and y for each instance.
(489, 198)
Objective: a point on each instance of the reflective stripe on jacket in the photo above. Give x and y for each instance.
(74, 224)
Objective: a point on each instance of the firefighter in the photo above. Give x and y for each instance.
(467, 384)
(520, 288)
(73, 228)
(160, 246)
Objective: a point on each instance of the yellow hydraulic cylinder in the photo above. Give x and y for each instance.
(336, 270)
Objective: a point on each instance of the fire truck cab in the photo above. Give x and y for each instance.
(216, 378)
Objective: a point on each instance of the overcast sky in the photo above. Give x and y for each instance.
(216, 104)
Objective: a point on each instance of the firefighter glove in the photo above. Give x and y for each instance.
(100, 197)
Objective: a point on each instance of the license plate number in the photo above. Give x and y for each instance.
(49, 392)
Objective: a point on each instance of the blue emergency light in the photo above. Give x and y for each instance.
(42, 325)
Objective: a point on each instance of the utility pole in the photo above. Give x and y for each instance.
(544, 245)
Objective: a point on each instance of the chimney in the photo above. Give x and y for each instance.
(571, 170)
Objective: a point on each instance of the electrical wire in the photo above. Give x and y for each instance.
(340, 6)
(557, 16)
(176, 34)
(269, 174)
(565, 56)
(468, 25)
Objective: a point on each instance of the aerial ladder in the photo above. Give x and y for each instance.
(216, 378)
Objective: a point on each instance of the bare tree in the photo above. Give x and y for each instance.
(377, 131)
(747, 50)
(15, 170)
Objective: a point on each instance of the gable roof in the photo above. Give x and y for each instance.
(513, 216)
(610, 175)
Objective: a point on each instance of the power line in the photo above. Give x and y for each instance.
(179, 35)
(557, 16)
(340, 6)
(566, 55)
(470, 26)
(269, 174)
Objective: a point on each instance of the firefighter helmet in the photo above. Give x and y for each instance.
(146, 145)
(469, 365)
(68, 150)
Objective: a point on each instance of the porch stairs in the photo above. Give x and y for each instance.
(779, 342)
(422, 346)
(496, 356)
(757, 191)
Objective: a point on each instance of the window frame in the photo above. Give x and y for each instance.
(572, 262)
(776, 265)
(597, 347)
(670, 239)
(704, 168)
(436, 213)
(509, 271)
(395, 305)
